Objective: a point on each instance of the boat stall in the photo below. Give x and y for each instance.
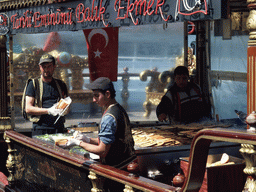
(36, 164)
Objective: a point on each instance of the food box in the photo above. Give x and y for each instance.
(228, 177)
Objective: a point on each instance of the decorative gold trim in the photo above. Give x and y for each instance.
(20, 168)
(10, 162)
(97, 182)
(248, 153)
(5, 123)
(128, 189)
(251, 43)
(154, 87)
(18, 4)
(251, 24)
(4, 127)
(118, 180)
(45, 152)
(249, 185)
(251, 1)
(236, 21)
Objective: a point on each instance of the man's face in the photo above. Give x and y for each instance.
(99, 98)
(47, 69)
(181, 81)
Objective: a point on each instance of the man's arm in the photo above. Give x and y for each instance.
(164, 108)
(102, 144)
(31, 109)
(101, 149)
(94, 141)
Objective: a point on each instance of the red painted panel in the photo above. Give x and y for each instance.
(251, 79)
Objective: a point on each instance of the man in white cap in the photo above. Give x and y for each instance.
(41, 95)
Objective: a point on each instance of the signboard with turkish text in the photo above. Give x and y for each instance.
(80, 15)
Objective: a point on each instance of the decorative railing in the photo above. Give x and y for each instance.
(156, 87)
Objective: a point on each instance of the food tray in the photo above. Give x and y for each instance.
(47, 138)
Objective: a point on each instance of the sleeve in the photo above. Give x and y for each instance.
(165, 106)
(107, 129)
(30, 91)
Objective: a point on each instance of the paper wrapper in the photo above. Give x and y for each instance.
(60, 140)
(63, 104)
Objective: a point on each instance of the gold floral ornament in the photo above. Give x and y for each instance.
(191, 61)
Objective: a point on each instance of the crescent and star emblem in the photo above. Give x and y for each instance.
(98, 31)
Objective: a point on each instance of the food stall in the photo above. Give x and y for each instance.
(36, 164)
(158, 158)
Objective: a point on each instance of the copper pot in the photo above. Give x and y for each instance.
(133, 168)
(178, 180)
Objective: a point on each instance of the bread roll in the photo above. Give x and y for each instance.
(62, 104)
(61, 142)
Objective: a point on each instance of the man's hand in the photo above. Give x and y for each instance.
(162, 117)
(71, 142)
(83, 137)
(53, 111)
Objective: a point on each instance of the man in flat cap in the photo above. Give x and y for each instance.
(115, 144)
(41, 95)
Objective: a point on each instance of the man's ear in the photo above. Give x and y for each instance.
(108, 94)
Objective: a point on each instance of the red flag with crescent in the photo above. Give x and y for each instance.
(102, 45)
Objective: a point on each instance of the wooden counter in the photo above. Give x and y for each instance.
(53, 168)
(42, 167)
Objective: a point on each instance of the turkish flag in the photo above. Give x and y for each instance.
(102, 45)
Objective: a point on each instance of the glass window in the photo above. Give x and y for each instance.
(141, 48)
(229, 56)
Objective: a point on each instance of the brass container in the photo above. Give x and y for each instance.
(5, 124)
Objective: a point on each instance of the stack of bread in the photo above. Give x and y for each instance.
(148, 137)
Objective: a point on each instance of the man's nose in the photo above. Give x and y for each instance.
(94, 99)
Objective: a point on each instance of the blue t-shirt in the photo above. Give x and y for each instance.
(108, 129)
(50, 97)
